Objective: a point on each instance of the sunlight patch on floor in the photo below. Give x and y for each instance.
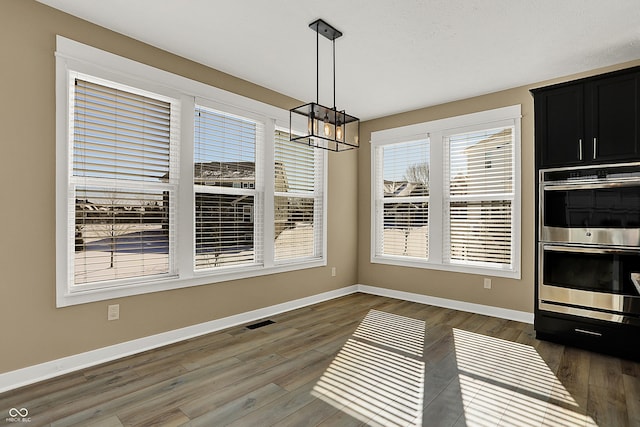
(509, 384)
(378, 375)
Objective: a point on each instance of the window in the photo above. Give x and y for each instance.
(122, 183)
(224, 183)
(298, 204)
(403, 199)
(446, 194)
(479, 192)
(157, 188)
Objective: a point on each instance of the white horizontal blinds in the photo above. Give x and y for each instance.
(298, 199)
(225, 150)
(120, 234)
(224, 230)
(119, 134)
(225, 189)
(403, 198)
(480, 197)
(121, 170)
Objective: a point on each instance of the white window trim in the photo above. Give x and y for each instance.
(72, 56)
(435, 131)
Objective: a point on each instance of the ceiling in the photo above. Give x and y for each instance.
(395, 55)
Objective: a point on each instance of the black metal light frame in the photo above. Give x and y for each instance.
(327, 128)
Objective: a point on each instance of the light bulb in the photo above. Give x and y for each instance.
(327, 126)
(339, 132)
(312, 126)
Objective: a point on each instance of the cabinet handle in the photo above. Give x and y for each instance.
(595, 147)
(580, 149)
(584, 331)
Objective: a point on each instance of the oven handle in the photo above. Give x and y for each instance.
(591, 185)
(635, 279)
(585, 250)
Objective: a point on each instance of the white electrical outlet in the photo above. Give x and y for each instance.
(113, 312)
(487, 283)
(333, 272)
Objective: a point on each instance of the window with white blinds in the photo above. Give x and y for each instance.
(402, 199)
(225, 189)
(445, 194)
(121, 178)
(479, 178)
(163, 182)
(298, 199)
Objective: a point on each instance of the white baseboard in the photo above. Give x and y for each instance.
(43, 371)
(503, 313)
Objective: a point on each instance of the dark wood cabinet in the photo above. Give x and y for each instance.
(594, 120)
(559, 126)
(586, 122)
(600, 336)
(614, 112)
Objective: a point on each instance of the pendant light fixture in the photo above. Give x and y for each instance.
(327, 128)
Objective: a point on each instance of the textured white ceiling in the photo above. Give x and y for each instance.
(395, 55)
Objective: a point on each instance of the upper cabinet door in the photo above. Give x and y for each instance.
(594, 120)
(614, 118)
(559, 124)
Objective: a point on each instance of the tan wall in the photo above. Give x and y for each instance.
(505, 293)
(33, 330)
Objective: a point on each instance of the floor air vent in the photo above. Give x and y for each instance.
(260, 324)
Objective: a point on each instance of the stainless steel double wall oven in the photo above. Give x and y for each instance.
(589, 242)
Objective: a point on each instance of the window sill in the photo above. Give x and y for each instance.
(418, 263)
(66, 297)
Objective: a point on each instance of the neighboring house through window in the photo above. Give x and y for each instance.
(446, 194)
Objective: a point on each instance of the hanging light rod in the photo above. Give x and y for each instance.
(327, 128)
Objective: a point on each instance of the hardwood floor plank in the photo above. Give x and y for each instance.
(573, 373)
(168, 418)
(211, 354)
(239, 407)
(25, 396)
(551, 353)
(309, 415)
(87, 410)
(605, 371)
(278, 409)
(445, 408)
(279, 338)
(299, 377)
(310, 341)
(110, 421)
(438, 376)
(630, 368)
(632, 398)
(243, 384)
(95, 394)
(332, 346)
(197, 383)
(353, 361)
(209, 402)
(341, 419)
(607, 407)
(569, 395)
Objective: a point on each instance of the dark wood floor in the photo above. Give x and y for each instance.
(356, 360)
